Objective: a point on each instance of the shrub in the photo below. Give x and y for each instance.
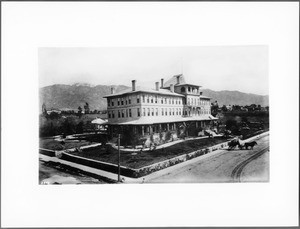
(168, 136)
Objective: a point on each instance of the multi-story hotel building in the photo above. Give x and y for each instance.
(165, 108)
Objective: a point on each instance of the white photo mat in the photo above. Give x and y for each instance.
(28, 26)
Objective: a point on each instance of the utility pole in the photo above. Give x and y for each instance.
(119, 136)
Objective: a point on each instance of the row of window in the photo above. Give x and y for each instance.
(197, 101)
(144, 99)
(125, 113)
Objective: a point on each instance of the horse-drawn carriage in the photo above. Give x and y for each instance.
(241, 144)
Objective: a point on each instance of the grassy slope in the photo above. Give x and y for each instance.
(148, 157)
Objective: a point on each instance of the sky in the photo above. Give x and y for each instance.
(240, 68)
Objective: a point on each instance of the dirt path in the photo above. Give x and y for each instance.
(219, 167)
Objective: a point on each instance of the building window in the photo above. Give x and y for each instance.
(182, 89)
(147, 99)
(113, 114)
(151, 99)
(118, 102)
(143, 98)
(129, 100)
(129, 112)
(148, 111)
(166, 112)
(123, 113)
(138, 112)
(165, 100)
(119, 114)
(109, 115)
(173, 111)
(138, 99)
(126, 113)
(156, 99)
(112, 103)
(162, 111)
(144, 111)
(152, 113)
(122, 102)
(176, 111)
(189, 89)
(156, 111)
(162, 101)
(170, 112)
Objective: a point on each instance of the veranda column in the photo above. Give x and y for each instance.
(143, 131)
(150, 129)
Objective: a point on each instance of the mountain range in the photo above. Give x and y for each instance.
(64, 97)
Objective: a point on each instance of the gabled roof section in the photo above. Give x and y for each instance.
(173, 80)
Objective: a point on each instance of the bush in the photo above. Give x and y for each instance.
(168, 136)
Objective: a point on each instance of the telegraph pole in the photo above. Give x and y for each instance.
(119, 136)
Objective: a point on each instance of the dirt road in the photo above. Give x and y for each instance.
(55, 174)
(226, 166)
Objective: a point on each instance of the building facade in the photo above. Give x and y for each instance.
(165, 108)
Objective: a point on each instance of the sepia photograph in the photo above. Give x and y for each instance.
(153, 115)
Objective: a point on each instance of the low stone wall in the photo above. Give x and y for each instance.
(176, 160)
(47, 152)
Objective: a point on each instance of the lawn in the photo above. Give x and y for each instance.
(137, 160)
(52, 144)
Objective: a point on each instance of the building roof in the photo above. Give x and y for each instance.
(166, 119)
(99, 121)
(182, 81)
(173, 80)
(204, 97)
(143, 89)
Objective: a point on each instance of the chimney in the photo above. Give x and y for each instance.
(162, 83)
(178, 79)
(133, 85)
(112, 90)
(157, 86)
(172, 87)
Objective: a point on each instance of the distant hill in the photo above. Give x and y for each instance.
(236, 98)
(60, 96)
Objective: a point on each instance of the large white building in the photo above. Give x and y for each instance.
(164, 108)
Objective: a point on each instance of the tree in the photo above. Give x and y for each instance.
(214, 108)
(233, 126)
(129, 137)
(224, 108)
(86, 108)
(79, 111)
(79, 127)
(44, 109)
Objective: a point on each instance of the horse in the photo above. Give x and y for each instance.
(250, 144)
(232, 144)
